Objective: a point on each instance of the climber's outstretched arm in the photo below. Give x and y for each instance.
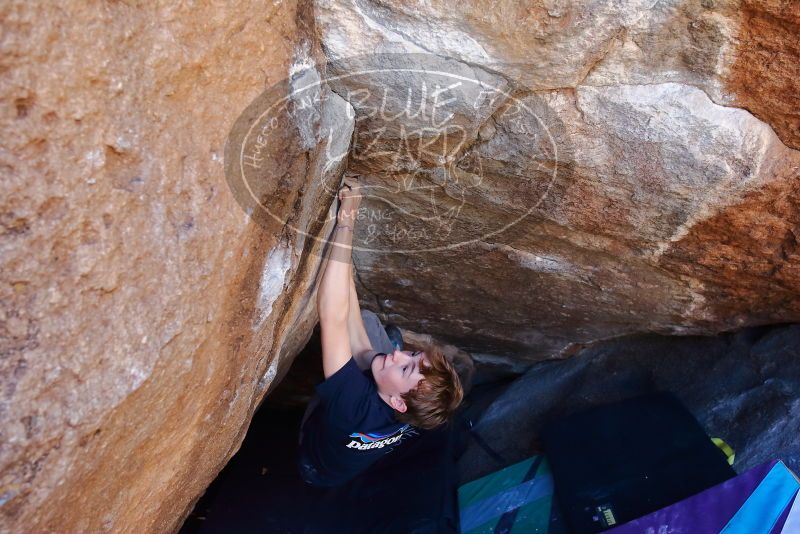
(333, 296)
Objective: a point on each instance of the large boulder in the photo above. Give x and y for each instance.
(604, 181)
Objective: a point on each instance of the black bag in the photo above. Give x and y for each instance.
(620, 461)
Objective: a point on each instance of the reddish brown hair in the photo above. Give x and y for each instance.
(437, 394)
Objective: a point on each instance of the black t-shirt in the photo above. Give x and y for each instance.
(351, 428)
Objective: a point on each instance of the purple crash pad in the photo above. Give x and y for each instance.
(705, 513)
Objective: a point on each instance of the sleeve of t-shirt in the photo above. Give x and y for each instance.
(346, 395)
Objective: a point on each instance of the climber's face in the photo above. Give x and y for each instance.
(397, 373)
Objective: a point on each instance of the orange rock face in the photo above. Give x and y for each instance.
(764, 76)
(748, 256)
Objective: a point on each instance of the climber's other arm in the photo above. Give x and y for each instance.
(359, 340)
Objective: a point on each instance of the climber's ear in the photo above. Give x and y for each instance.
(398, 403)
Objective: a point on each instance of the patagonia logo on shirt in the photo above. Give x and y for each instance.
(369, 441)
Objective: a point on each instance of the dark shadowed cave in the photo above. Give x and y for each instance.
(741, 386)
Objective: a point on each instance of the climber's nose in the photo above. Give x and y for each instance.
(400, 357)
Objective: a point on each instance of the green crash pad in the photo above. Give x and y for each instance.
(516, 499)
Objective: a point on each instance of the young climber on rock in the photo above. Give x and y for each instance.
(371, 402)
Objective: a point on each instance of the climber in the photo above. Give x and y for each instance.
(371, 402)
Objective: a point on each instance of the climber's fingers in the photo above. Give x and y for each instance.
(351, 189)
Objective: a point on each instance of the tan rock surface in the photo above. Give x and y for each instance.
(740, 52)
(143, 313)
